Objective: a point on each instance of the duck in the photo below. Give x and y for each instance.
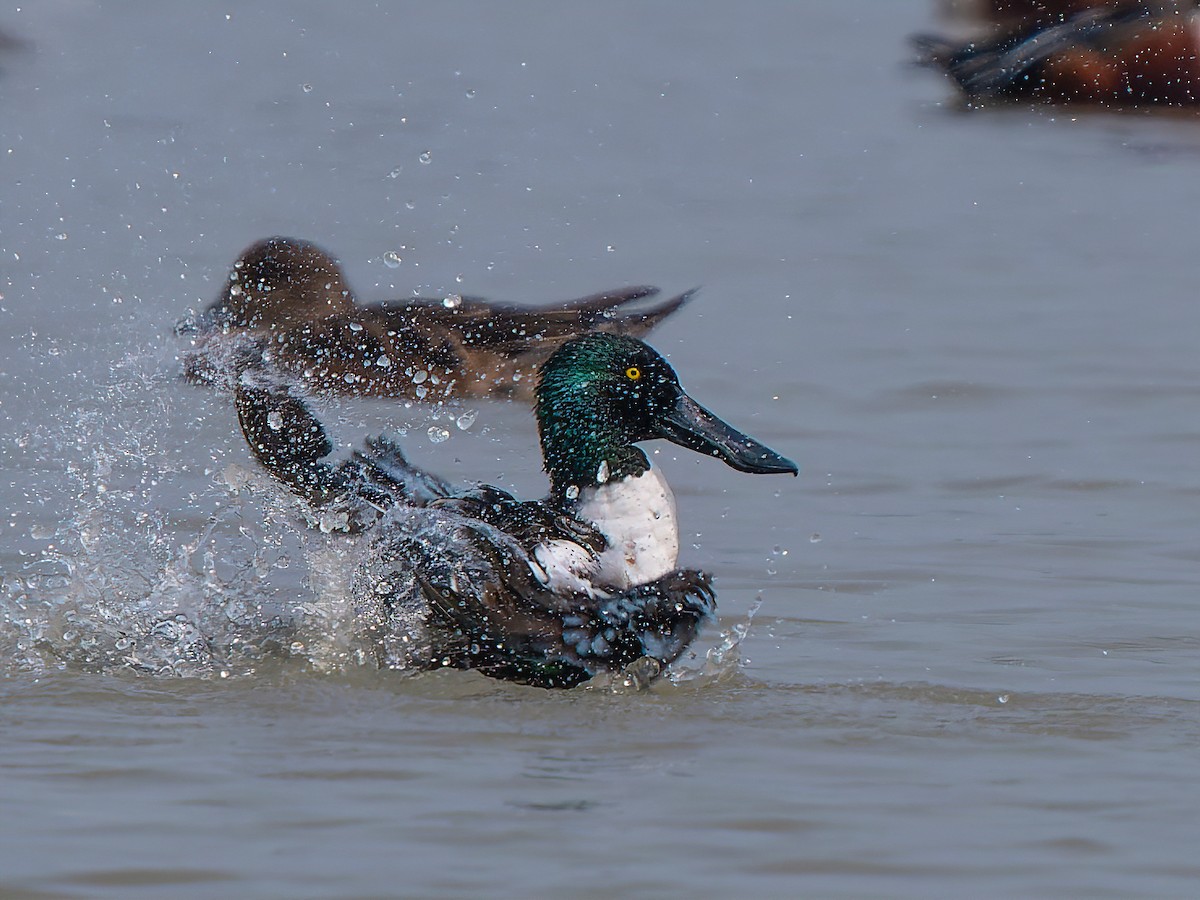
(1116, 54)
(548, 592)
(287, 301)
(1014, 12)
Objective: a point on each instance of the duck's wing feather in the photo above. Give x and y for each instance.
(504, 636)
(383, 465)
(511, 626)
(290, 442)
(344, 349)
(285, 436)
(1003, 65)
(478, 324)
(528, 522)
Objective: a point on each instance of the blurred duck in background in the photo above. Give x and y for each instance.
(1112, 54)
(286, 304)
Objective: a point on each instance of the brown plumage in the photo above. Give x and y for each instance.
(1119, 53)
(287, 302)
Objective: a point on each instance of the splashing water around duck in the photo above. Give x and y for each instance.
(137, 579)
(549, 592)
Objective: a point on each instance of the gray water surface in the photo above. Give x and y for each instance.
(959, 656)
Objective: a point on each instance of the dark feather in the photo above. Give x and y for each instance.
(293, 297)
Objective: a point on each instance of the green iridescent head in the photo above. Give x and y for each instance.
(600, 394)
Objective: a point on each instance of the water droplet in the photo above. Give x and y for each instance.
(470, 94)
(603, 472)
(61, 236)
(814, 538)
(384, 362)
(438, 434)
(395, 173)
(453, 301)
(392, 259)
(330, 522)
(466, 420)
(426, 158)
(420, 376)
(458, 278)
(356, 326)
(1003, 698)
(572, 492)
(275, 420)
(409, 204)
(307, 88)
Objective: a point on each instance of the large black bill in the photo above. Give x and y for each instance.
(691, 425)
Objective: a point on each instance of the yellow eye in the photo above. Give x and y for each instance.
(633, 373)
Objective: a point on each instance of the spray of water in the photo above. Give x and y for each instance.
(160, 556)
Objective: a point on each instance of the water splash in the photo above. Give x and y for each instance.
(722, 661)
(140, 573)
(164, 558)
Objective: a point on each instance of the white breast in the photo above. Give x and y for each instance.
(566, 567)
(637, 517)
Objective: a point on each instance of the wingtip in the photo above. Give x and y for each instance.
(669, 306)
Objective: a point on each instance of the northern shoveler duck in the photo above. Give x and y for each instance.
(287, 300)
(547, 592)
(1116, 54)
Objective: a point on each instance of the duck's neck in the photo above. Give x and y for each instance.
(584, 444)
(572, 469)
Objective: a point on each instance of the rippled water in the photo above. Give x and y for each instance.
(958, 656)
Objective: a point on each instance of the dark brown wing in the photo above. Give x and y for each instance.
(512, 627)
(479, 324)
(289, 441)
